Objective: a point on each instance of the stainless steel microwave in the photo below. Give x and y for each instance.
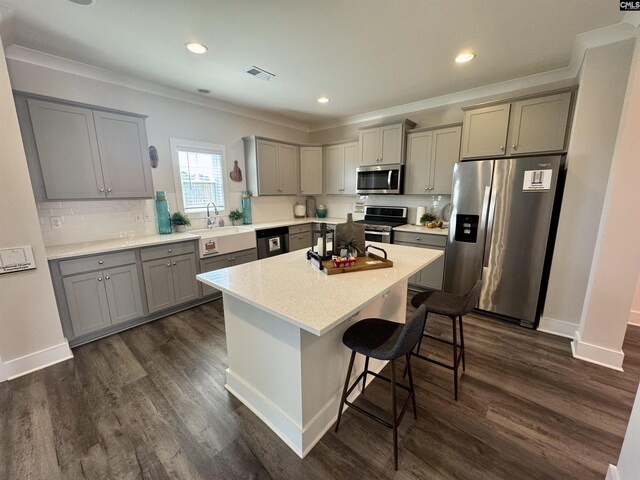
(385, 179)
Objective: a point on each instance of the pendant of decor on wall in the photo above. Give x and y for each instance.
(153, 155)
(236, 173)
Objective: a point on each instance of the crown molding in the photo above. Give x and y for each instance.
(568, 74)
(26, 55)
(632, 18)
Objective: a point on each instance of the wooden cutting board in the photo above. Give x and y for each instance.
(370, 262)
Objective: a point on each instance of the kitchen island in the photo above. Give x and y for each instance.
(284, 321)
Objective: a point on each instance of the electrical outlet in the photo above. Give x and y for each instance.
(147, 217)
(137, 216)
(56, 223)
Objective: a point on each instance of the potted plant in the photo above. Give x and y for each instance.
(235, 216)
(180, 221)
(428, 219)
(351, 247)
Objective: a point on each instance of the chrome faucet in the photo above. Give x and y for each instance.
(211, 224)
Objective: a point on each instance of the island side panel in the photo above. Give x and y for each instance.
(325, 360)
(264, 367)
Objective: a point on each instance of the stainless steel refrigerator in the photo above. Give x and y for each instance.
(502, 226)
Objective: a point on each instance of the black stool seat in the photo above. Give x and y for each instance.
(383, 340)
(374, 337)
(454, 307)
(441, 303)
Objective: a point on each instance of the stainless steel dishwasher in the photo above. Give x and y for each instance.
(272, 241)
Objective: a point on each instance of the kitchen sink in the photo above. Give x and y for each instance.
(221, 240)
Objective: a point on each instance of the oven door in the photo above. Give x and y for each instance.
(379, 179)
(373, 236)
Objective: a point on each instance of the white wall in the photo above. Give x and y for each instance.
(628, 467)
(634, 316)
(30, 331)
(616, 264)
(603, 81)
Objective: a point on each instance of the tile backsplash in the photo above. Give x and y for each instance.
(90, 220)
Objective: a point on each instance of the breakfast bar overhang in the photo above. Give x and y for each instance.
(286, 358)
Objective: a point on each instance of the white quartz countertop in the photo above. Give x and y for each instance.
(421, 229)
(289, 287)
(58, 252)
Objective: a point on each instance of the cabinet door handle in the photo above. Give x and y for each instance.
(501, 147)
(229, 259)
(101, 190)
(515, 147)
(100, 262)
(107, 277)
(233, 259)
(302, 189)
(108, 189)
(168, 264)
(174, 264)
(169, 250)
(99, 279)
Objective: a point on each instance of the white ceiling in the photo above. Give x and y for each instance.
(364, 54)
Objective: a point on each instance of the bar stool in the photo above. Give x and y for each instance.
(454, 307)
(383, 340)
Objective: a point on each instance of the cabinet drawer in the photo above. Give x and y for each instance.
(96, 262)
(423, 239)
(294, 229)
(168, 250)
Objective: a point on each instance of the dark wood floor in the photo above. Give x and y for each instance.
(151, 403)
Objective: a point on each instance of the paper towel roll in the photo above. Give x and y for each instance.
(420, 211)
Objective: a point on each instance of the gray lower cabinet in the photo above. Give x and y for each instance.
(102, 298)
(224, 261)
(300, 237)
(170, 281)
(431, 276)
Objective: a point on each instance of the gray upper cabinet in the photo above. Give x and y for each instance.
(384, 144)
(484, 131)
(272, 167)
(521, 127)
(122, 142)
(311, 170)
(431, 155)
(341, 162)
(68, 150)
(539, 124)
(85, 153)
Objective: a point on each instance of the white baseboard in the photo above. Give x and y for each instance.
(595, 354)
(36, 361)
(634, 318)
(300, 439)
(612, 473)
(557, 327)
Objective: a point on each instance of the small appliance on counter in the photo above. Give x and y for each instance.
(299, 210)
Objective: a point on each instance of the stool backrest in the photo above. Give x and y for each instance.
(410, 334)
(471, 298)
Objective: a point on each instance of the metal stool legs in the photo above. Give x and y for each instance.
(395, 418)
(458, 352)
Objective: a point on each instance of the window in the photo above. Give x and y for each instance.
(200, 169)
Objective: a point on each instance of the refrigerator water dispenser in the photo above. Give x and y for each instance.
(466, 228)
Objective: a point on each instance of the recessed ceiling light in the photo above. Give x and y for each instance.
(204, 90)
(465, 57)
(323, 100)
(196, 47)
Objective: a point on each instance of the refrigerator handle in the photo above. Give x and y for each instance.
(487, 242)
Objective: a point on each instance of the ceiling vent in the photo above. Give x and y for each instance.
(260, 73)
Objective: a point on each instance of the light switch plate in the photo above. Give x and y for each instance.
(56, 223)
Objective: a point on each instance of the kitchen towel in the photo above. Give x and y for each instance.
(420, 211)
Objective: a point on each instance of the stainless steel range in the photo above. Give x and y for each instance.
(379, 222)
